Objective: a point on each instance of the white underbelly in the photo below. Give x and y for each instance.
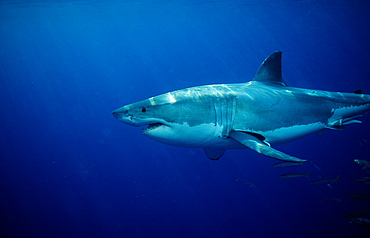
(287, 134)
(200, 136)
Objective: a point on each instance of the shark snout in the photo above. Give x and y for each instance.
(123, 115)
(119, 113)
(115, 114)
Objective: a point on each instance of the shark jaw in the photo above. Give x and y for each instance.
(154, 128)
(150, 125)
(200, 136)
(178, 134)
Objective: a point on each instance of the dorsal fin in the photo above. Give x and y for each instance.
(270, 70)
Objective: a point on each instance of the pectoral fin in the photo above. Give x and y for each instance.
(257, 145)
(214, 153)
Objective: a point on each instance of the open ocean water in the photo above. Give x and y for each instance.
(69, 169)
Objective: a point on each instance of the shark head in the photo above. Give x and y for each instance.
(145, 113)
(175, 118)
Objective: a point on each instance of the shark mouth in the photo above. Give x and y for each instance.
(153, 126)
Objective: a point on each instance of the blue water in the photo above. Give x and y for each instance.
(70, 169)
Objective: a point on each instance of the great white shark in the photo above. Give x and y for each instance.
(256, 115)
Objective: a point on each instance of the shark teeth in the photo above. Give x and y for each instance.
(153, 126)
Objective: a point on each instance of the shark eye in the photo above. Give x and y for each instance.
(143, 109)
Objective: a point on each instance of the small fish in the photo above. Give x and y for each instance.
(332, 199)
(362, 142)
(317, 167)
(364, 163)
(362, 222)
(285, 164)
(293, 175)
(365, 180)
(359, 196)
(323, 181)
(251, 185)
(355, 213)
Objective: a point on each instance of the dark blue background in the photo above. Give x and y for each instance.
(69, 169)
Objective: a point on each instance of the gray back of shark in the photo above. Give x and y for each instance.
(255, 115)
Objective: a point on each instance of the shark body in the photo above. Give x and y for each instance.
(255, 115)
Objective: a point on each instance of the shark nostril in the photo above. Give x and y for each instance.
(120, 113)
(116, 114)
